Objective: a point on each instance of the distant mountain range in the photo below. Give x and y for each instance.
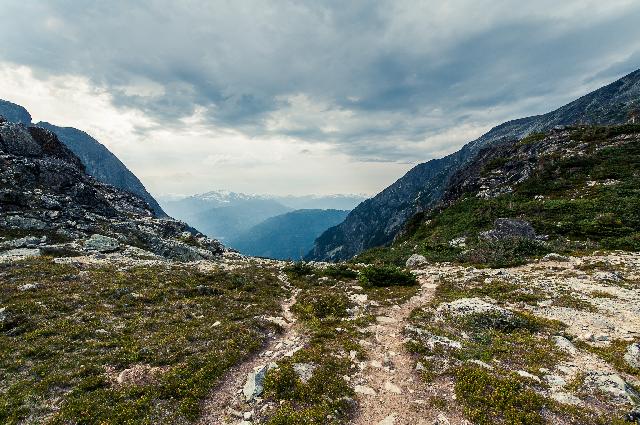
(97, 159)
(378, 220)
(230, 215)
(287, 236)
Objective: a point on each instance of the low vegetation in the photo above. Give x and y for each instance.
(581, 202)
(68, 334)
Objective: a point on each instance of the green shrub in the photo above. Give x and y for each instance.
(488, 399)
(383, 276)
(298, 269)
(321, 305)
(340, 271)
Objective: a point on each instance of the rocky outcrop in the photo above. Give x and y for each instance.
(377, 221)
(45, 193)
(97, 159)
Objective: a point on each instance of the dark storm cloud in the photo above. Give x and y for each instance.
(374, 79)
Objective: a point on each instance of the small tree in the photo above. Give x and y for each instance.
(634, 116)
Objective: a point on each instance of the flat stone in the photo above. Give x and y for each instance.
(566, 398)
(304, 370)
(101, 243)
(363, 389)
(20, 253)
(389, 420)
(565, 345)
(632, 356)
(392, 388)
(385, 319)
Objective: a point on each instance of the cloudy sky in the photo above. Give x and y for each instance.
(302, 97)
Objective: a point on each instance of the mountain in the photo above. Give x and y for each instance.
(226, 215)
(51, 205)
(287, 236)
(228, 222)
(573, 189)
(377, 221)
(97, 159)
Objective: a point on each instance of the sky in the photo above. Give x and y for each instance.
(293, 97)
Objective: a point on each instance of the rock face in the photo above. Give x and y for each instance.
(378, 220)
(99, 162)
(46, 193)
(505, 228)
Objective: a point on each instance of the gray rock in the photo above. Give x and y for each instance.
(416, 260)
(555, 257)
(632, 356)
(565, 345)
(19, 254)
(466, 306)
(611, 384)
(26, 242)
(101, 243)
(505, 228)
(254, 386)
(304, 370)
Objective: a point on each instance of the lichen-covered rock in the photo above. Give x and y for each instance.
(632, 355)
(254, 385)
(504, 228)
(416, 260)
(467, 306)
(101, 243)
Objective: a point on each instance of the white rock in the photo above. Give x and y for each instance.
(363, 389)
(392, 388)
(416, 260)
(304, 370)
(632, 356)
(528, 375)
(441, 420)
(565, 345)
(389, 420)
(466, 306)
(386, 319)
(566, 398)
(18, 254)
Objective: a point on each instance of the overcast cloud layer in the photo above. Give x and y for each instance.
(335, 96)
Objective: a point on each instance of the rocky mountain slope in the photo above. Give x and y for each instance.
(287, 236)
(377, 221)
(570, 190)
(97, 159)
(47, 197)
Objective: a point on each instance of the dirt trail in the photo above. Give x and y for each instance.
(389, 389)
(226, 404)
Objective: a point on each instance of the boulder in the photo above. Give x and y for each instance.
(416, 260)
(254, 386)
(19, 254)
(467, 306)
(101, 243)
(555, 257)
(632, 356)
(505, 228)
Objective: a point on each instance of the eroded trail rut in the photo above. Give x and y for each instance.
(227, 404)
(389, 389)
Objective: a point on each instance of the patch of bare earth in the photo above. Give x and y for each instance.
(389, 388)
(227, 403)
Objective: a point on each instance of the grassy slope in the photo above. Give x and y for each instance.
(58, 340)
(575, 216)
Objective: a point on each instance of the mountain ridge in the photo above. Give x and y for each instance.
(377, 221)
(99, 161)
(286, 236)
